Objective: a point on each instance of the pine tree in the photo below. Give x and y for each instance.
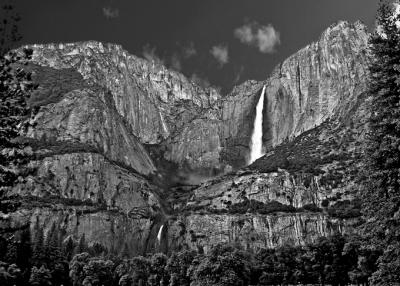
(24, 250)
(15, 89)
(40, 276)
(9, 34)
(381, 186)
(38, 254)
(82, 246)
(68, 248)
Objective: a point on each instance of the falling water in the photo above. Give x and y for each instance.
(163, 123)
(256, 148)
(159, 234)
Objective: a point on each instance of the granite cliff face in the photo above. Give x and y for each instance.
(111, 130)
(321, 81)
(160, 106)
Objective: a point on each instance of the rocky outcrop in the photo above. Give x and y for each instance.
(88, 116)
(158, 104)
(112, 230)
(319, 82)
(253, 231)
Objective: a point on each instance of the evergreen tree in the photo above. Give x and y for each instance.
(381, 186)
(82, 246)
(9, 34)
(68, 248)
(24, 252)
(40, 276)
(52, 244)
(15, 89)
(76, 266)
(38, 255)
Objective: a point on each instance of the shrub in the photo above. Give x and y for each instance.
(260, 207)
(345, 209)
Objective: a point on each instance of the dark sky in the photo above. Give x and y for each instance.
(197, 37)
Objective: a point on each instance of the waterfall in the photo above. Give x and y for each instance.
(256, 146)
(163, 124)
(159, 234)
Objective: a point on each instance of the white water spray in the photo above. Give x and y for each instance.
(159, 234)
(256, 146)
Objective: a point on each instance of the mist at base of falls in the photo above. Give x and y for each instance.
(256, 146)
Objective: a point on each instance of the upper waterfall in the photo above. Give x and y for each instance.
(256, 146)
(159, 234)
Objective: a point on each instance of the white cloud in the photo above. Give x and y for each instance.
(110, 13)
(189, 50)
(149, 53)
(265, 38)
(244, 34)
(239, 73)
(176, 63)
(221, 54)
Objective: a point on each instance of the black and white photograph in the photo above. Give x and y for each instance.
(199, 142)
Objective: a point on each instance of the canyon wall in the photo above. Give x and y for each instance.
(159, 105)
(112, 129)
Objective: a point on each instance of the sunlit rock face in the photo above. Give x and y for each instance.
(238, 113)
(158, 104)
(112, 230)
(253, 231)
(85, 116)
(90, 177)
(319, 82)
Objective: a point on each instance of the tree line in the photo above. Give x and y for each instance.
(53, 259)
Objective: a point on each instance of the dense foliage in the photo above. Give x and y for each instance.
(52, 259)
(9, 33)
(381, 186)
(15, 89)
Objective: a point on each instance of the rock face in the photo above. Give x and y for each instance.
(253, 231)
(158, 104)
(111, 129)
(315, 117)
(319, 82)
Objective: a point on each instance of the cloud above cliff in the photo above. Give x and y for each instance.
(176, 62)
(189, 50)
(220, 53)
(150, 54)
(110, 13)
(238, 74)
(265, 38)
